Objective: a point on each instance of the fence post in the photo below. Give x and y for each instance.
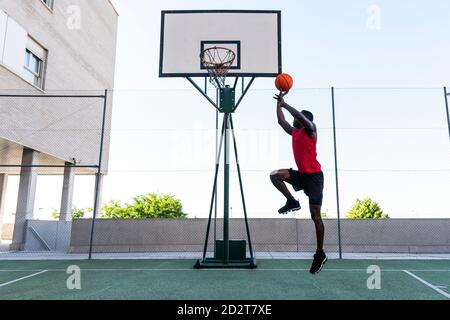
(336, 175)
(97, 175)
(446, 108)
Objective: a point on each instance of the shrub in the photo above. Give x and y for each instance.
(150, 205)
(366, 209)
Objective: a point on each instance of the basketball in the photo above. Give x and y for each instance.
(284, 82)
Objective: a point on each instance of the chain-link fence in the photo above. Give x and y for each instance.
(52, 156)
(390, 148)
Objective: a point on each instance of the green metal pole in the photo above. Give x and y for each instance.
(213, 198)
(242, 189)
(217, 161)
(97, 175)
(446, 108)
(226, 196)
(336, 173)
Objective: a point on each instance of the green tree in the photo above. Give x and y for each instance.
(366, 209)
(80, 213)
(150, 205)
(55, 214)
(76, 213)
(115, 210)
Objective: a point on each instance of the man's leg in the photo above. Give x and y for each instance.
(278, 178)
(320, 229)
(320, 257)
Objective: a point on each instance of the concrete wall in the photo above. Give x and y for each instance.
(393, 235)
(78, 59)
(48, 235)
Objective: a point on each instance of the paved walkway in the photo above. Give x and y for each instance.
(45, 255)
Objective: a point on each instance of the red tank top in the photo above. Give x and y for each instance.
(305, 153)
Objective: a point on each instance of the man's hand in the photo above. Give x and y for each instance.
(280, 98)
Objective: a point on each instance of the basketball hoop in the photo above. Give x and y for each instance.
(217, 60)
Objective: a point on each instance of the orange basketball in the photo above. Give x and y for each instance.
(284, 82)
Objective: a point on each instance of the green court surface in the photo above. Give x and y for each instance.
(272, 280)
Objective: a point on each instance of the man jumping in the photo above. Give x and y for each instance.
(309, 176)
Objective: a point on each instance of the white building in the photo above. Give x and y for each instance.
(48, 47)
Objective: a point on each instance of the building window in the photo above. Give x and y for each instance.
(49, 3)
(32, 70)
(35, 63)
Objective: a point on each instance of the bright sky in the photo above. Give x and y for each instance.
(393, 145)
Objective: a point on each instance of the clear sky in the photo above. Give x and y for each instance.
(393, 144)
(325, 42)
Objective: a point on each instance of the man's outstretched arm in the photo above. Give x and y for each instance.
(282, 121)
(309, 125)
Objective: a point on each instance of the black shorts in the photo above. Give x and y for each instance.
(310, 183)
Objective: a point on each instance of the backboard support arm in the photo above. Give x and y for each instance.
(244, 93)
(202, 92)
(235, 83)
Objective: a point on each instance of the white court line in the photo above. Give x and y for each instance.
(223, 269)
(445, 294)
(31, 275)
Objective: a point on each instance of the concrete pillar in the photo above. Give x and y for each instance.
(100, 193)
(3, 185)
(26, 197)
(65, 213)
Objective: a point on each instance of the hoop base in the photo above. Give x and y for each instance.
(232, 264)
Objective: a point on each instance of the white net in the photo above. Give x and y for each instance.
(217, 61)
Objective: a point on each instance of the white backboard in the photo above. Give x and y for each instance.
(254, 36)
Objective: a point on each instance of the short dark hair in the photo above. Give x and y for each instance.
(308, 115)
